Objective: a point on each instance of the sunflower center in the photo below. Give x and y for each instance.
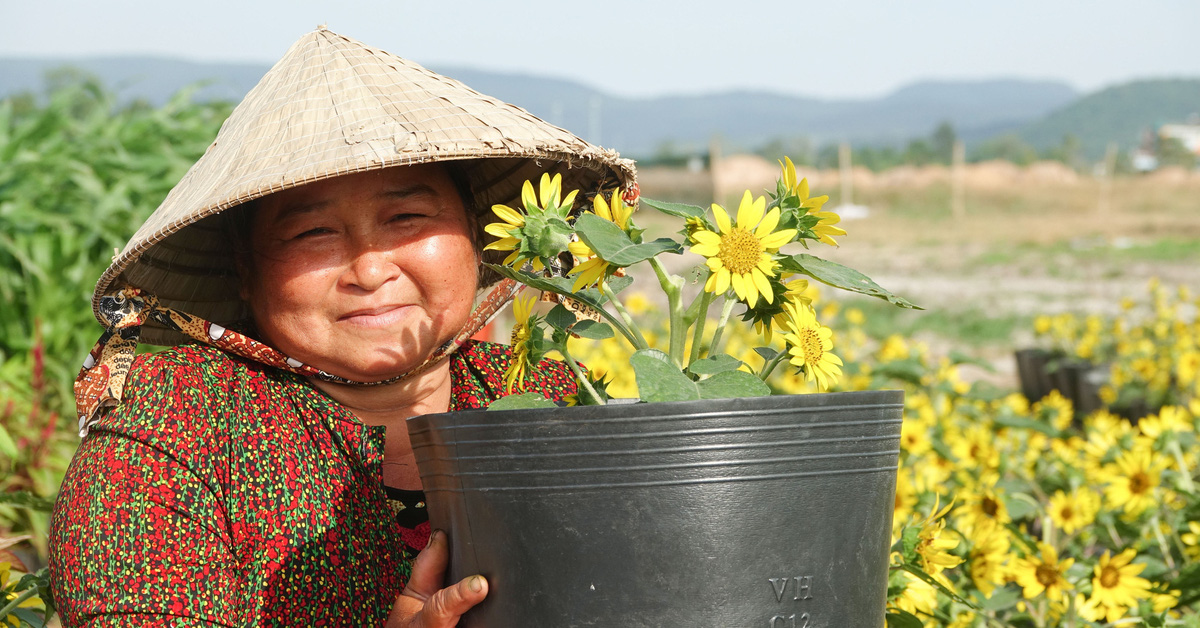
(520, 334)
(810, 344)
(1139, 483)
(990, 507)
(1110, 577)
(1066, 513)
(1046, 575)
(740, 251)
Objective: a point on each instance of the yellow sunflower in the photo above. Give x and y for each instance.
(1075, 511)
(1116, 587)
(1133, 481)
(809, 343)
(824, 229)
(592, 270)
(1043, 574)
(522, 333)
(739, 253)
(511, 231)
(987, 558)
(933, 549)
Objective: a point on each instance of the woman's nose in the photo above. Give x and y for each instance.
(370, 267)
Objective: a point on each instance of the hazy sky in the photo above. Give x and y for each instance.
(649, 47)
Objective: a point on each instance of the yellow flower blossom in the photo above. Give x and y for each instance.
(1133, 481)
(987, 559)
(1116, 587)
(522, 333)
(809, 343)
(740, 253)
(592, 270)
(1075, 511)
(1044, 574)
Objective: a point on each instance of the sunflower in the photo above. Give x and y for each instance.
(525, 343)
(740, 254)
(809, 342)
(1133, 481)
(824, 229)
(1075, 511)
(1116, 587)
(594, 269)
(540, 232)
(1044, 574)
(987, 558)
(933, 549)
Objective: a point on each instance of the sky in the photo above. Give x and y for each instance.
(641, 48)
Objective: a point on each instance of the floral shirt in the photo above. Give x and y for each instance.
(222, 492)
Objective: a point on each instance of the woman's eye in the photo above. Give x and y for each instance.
(312, 232)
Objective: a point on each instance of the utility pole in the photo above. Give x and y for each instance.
(958, 202)
(1106, 175)
(845, 172)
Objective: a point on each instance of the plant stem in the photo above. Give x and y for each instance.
(1162, 542)
(701, 318)
(580, 376)
(13, 605)
(628, 328)
(726, 310)
(673, 286)
(1184, 472)
(769, 367)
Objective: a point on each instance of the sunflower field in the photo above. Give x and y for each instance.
(1012, 513)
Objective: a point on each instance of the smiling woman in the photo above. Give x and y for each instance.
(316, 276)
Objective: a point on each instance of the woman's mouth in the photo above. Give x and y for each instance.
(375, 317)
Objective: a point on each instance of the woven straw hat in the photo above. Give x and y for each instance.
(333, 106)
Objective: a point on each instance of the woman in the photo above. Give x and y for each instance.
(316, 274)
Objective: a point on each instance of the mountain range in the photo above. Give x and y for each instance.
(1038, 111)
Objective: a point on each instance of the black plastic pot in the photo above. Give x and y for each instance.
(1032, 371)
(772, 512)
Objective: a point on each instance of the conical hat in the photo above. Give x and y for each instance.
(333, 106)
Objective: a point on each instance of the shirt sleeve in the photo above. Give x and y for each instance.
(138, 535)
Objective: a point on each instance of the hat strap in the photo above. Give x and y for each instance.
(101, 382)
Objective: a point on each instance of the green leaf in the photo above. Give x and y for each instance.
(7, 446)
(617, 284)
(592, 330)
(839, 276)
(658, 379)
(556, 285)
(1002, 598)
(613, 246)
(732, 384)
(897, 618)
(25, 499)
(716, 364)
(908, 543)
(560, 317)
(914, 570)
(766, 353)
(522, 401)
(681, 210)
(1032, 424)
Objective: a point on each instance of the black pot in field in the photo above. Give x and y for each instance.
(769, 511)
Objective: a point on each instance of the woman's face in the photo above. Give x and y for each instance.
(362, 275)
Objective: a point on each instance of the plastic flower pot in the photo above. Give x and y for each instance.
(771, 511)
(1032, 371)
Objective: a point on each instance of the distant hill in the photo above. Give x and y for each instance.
(1118, 114)
(638, 127)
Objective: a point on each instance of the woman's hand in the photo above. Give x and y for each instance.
(423, 604)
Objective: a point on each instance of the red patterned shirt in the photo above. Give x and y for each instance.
(226, 493)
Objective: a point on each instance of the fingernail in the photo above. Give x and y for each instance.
(436, 535)
(476, 583)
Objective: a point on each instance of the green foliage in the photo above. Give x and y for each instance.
(78, 175)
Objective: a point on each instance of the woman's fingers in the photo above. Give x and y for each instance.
(429, 569)
(424, 604)
(447, 605)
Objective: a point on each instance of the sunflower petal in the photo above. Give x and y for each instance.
(508, 214)
(768, 224)
(723, 278)
(722, 219)
(528, 198)
(746, 217)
